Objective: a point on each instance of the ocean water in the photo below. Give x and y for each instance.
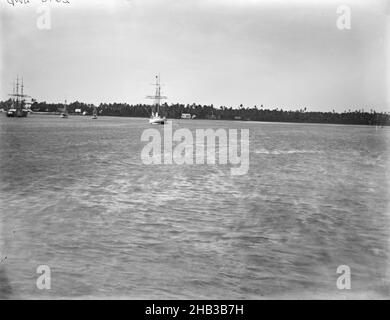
(75, 196)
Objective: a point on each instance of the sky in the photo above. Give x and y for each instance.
(279, 54)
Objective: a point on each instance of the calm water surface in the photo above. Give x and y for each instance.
(76, 196)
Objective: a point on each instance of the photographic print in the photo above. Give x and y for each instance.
(194, 150)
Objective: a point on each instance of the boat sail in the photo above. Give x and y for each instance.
(65, 113)
(18, 108)
(156, 116)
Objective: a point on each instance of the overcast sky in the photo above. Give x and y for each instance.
(287, 54)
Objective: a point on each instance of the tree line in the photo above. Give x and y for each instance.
(175, 110)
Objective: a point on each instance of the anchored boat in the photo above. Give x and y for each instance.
(64, 114)
(18, 108)
(94, 115)
(156, 116)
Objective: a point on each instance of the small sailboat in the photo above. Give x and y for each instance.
(94, 114)
(156, 116)
(64, 114)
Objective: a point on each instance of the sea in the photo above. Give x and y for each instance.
(77, 198)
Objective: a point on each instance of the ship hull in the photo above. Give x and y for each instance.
(157, 120)
(17, 113)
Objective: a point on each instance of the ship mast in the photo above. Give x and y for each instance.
(157, 96)
(17, 97)
(17, 91)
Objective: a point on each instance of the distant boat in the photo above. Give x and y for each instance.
(18, 108)
(156, 117)
(94, 115)
(65, 113)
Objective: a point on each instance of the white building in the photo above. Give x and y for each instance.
(186, 116)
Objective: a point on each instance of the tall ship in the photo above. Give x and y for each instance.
(19, 106)
(156, 114)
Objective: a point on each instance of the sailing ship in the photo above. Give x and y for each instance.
(64, 114)
(18, 107)
(156, 116)
(94, 114)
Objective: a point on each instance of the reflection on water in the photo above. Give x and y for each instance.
(75, 196)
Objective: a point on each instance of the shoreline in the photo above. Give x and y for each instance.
(202, 119)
